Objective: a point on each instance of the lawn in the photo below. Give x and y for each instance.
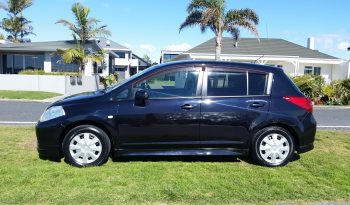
(318, 176)
(27, 95)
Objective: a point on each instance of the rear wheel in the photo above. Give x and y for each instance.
(86, 145)
(273, 146)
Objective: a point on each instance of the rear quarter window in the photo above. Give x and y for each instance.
(257, 83)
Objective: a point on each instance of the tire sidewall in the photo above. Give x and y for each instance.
(99, 133)
(261, 135)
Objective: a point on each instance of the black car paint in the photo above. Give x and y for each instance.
(215, 125)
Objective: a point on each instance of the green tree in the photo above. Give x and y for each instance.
(83, 29)
(147, 59)
(80, 56)
(212, 14)
(16, 24)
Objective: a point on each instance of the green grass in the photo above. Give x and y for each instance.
(27, 95)
(318, 176)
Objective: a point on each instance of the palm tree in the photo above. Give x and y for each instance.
(84, 27)
(16, 7)
(16, 25)
(212, 14)
(80, 56)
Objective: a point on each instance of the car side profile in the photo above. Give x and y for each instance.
(183, 108)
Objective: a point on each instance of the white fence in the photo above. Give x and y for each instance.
(49, 83)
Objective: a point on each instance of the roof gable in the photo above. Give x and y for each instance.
(266, 46)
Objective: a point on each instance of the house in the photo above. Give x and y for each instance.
(167, 55)
(42, 56)
(293, 58)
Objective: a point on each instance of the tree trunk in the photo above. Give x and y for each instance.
(218, 47)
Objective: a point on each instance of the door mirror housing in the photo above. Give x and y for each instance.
(141, 97)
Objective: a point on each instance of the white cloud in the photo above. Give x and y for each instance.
(332, 41)
(128, 45)
(343, 46)
(148, 48)
(179, 47)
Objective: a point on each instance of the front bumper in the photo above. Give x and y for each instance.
(49, 139)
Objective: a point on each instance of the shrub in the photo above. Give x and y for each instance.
(310, 85)
(42, 72)
(109, 80)
(338, 92)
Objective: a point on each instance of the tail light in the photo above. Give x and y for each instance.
(302, 102)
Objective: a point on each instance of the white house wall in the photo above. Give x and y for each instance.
(342, 71)
(47, 62)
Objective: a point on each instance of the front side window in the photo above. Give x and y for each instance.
(227, 84)
(171, 84)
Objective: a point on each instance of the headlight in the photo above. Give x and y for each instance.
(52, 113)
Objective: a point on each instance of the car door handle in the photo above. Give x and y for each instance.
(257, 104)
(188, 107)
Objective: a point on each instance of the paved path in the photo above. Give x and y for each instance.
(332, 118)
(21, 113)
(28, 113)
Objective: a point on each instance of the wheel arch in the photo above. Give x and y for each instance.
(86, 122)
(290, 129)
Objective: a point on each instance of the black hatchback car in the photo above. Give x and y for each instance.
(183, 108)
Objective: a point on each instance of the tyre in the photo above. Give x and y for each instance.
(272, 147)
(86, 146)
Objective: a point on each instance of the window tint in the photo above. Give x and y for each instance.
(227, 84)
(171, 84)
(257, 84)
(123, 94)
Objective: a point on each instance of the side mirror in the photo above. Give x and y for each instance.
(141, 96)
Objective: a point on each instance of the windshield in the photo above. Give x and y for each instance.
(115, 86)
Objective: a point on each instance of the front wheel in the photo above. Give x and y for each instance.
(272, 147)
(86, 145)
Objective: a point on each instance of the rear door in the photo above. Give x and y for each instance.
(234, 102)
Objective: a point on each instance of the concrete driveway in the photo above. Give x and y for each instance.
(28, 113)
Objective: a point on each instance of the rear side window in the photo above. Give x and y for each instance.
(257, 83)
(227, 84)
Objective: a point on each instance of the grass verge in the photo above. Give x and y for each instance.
(27, 95)
(318, 176)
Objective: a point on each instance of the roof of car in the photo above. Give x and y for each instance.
(225, 64)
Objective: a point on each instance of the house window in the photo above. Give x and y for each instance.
(312, 70)
(168, 57)
(120, 54)
(58, 65)
(317, 70)
(14, 63)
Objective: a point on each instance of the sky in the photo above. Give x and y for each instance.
(147, 27)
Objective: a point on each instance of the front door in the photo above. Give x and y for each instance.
(234, 101)
(171, 115)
